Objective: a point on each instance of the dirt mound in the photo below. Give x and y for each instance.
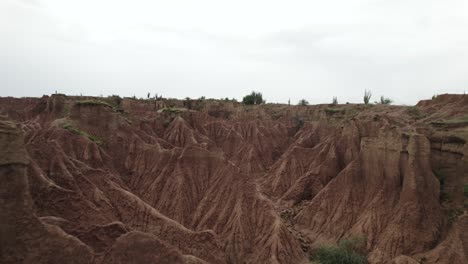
(203, 181)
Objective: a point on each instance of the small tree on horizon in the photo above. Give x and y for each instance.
(367, 96)
(303, 102)
(335, 100)
(254, 98)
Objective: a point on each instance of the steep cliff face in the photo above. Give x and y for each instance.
(24, 237)
(132, 181)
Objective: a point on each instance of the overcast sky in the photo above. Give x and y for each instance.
(406, 50)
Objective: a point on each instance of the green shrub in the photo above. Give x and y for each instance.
(303, 102)
(414, 112)
(331, 111)
(82, 133)
(457, 120)
(93, 102)
(171, 110)
(254, 98)
(347, 252)
(116, 100)
(385, 100)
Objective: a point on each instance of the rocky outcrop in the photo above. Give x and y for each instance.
(133, 181)
(23, 237)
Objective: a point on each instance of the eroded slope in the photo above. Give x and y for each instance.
(140, 181)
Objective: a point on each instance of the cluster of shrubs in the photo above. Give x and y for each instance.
(82, 133)
(256, 98)
(349, 251)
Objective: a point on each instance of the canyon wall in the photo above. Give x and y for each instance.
(110, 180)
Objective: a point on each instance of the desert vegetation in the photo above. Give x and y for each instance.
(254, 98)
(385, 100)
(82, 133)
(458, 120)
(335, 100)
(303, 102)
(348, 251)
(367, 96)
(93, 103)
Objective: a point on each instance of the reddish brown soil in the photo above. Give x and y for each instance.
(144, 181)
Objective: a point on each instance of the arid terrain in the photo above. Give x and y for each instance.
(111, 180)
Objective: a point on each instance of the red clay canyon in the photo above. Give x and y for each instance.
(110, 180)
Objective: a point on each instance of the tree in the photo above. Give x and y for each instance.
(386, 101)
(255, 98)
(367, 96)
(303, 102)
(148, 96)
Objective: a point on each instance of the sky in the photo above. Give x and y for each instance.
(288, 50)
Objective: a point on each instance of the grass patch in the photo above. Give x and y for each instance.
(276, 115)
(465, 190)
(93, 102)
(114, 101)
(347, 252)
(82, 133)
(332, 111)
(171, 110)
(414, 112)
(459, 120)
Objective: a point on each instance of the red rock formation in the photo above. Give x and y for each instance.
(130, 181)
(23, 237)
